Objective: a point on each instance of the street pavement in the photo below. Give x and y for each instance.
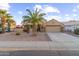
(62, 44)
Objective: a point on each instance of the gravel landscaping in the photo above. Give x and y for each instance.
(23, 37)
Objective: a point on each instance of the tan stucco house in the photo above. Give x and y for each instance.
(48, 26)
(54, 26)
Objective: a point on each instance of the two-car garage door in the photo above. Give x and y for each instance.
(53, 29)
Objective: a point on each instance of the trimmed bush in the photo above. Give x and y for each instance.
(18, 33)
(76, 31)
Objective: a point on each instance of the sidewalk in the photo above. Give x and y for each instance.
(25, 45)
(32, 45)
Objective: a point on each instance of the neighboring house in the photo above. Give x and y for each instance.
(18, 26)
(54, 26)
(71, 25)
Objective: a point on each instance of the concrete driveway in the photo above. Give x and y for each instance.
(63, 41)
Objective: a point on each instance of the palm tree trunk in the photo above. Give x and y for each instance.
(3, 24)
(8, 27)
(3, 27)
(34, 30)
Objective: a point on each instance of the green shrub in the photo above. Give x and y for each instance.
(76, 31)
(18, 33)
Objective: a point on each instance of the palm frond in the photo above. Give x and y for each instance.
(29, 12)
(34, 17)
(42, 14)
(3, 12)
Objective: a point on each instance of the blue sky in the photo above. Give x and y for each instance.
(58, 11)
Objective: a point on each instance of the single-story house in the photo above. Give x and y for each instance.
(48, 26)
(71, 25)
(54, 26)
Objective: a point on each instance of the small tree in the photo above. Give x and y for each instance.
(76, 31)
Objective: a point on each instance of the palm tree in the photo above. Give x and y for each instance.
(12, 24)
(34, 17)
(3, 19)
(9, 20)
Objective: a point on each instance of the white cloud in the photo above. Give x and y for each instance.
(53, 17)
(46, 8)
(74, 10)
(4, 6)
(77, 6)
(48, 18)
(20, 12)
(66, 14)
(38, 7)
(51, 9)
(74, 14)
(68, 18)
(56, 17)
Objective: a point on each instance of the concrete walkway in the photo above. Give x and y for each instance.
(61, 44)
(24, 45)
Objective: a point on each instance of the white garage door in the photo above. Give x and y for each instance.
(53, 29)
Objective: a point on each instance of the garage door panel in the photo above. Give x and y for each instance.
(53, 29)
